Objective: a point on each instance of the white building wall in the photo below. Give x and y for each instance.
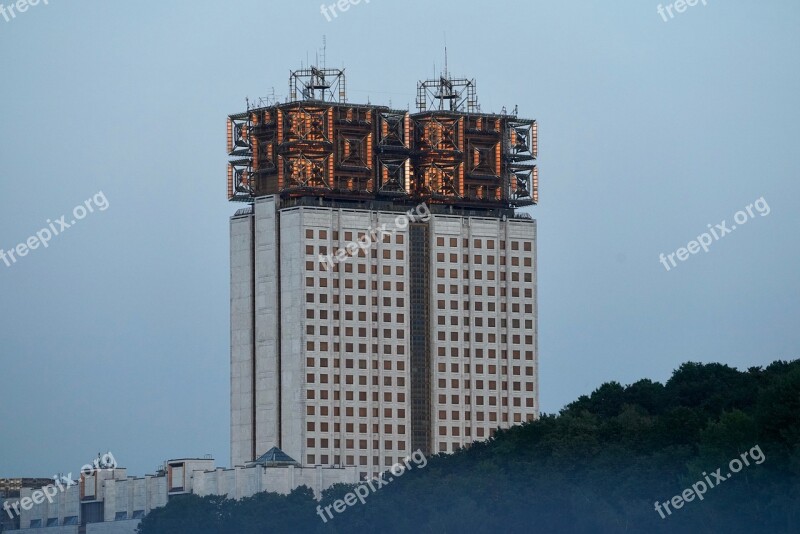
(267, 321)
(67, 529)
(156, 492)
(132, 495)
(344, 373)
(292, 338)
(483, 327)
(65, 503)
(348, 399)
(241, 339)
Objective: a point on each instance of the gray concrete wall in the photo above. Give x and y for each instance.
(241, 229)
(292, 314)
(268, 319)
(51, 530)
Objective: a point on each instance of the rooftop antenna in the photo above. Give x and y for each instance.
(445, 54)
(324, 50)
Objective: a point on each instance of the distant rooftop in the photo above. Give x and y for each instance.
(274, 458)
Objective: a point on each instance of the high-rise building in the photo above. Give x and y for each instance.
(383, 285)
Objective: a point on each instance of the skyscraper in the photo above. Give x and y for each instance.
(383, 287)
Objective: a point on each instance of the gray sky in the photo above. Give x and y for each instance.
(115, 336)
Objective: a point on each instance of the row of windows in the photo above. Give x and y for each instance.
(349, 316)
(399, 319)
(350, 443)
(478, 243)
(468, 289)
(399, 350)
(455, 431)
(455, 383)
(456, 352)
(492, 400)
(53, 521)
(479, 368)
(311, 313)
(478, 274)
(386, 301)
(458, 400)
(361, 268)
(311, 394)
(480, 417)
(350, 236)
(480, 432)
(491, 307)
(322, 362)
(322, 298)
(490, 338)
(388, 461)
(453, 446)
(454, 304)
(349, 348)
(478, 259)
(399, 381)
(388, 445)
(399, 270)
(349, 428)
(491, 322)
(440, 288)
(516, 417)
(322, 250)
(326, 268)
(325, 378)
(349, 411)
(349, 332)
(388, 381)
(388, 350)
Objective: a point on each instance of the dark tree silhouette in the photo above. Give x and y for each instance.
(597, 466)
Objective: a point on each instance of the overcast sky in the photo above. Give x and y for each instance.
(115, 337)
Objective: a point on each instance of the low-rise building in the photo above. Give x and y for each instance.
(110, 502)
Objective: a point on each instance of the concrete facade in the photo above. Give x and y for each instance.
(242, 338)
(483, 290)
(333, 352)
(110, 502)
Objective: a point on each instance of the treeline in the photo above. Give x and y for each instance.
(600, 465)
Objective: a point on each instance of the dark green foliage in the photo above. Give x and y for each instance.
(598, 466)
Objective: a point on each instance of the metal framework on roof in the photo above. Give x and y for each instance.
(325, 85)
(447, 94)
(319, 145)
